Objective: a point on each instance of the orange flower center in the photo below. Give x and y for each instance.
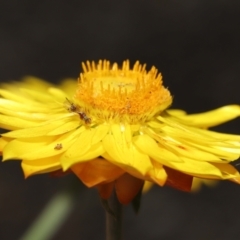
(112, 93)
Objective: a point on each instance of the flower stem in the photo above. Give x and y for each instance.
(114, 220)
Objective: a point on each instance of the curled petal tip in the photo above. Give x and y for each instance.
(236, 180)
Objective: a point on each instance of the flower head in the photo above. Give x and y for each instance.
(113, 130)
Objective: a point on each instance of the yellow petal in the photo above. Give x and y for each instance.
(100, 132)
(147, 186)
(170, 150)
(43, 165)
(223, 136)
(196, 168)
(3, 143)
(12, 123)
(29, 116)
(58, 94)
(69, 86)
(32, 148)
(200, 144)
(199, 182)
(32, 82)
(66, 127)
(187, 165)
(178, 130)
(220, 152)
(81, 145)
(37, 95)
(176, 112)
(124, 154)
(9, 104)
(157, 174)
(87, 146)
(211, 118)
(16, 97)
(149, 146)
(228, 170)
(94, 151)
(17, 148)
(62, 125)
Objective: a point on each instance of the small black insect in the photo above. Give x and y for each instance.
(83, 116)
(58, 146)
(72, 107)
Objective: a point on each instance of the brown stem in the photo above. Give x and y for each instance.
(114, 219)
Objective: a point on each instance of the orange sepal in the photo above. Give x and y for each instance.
(59, 173)
(97, 171)
(178, 180)
(105, 190)
(127, 188)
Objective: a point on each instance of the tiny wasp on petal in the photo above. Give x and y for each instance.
(83, 116)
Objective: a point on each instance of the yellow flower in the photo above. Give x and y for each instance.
(112, 128)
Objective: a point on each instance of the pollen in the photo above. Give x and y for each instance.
(110, 92)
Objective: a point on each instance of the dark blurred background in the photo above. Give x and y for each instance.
(196, 46)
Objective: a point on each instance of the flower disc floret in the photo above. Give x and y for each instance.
(113, 93)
